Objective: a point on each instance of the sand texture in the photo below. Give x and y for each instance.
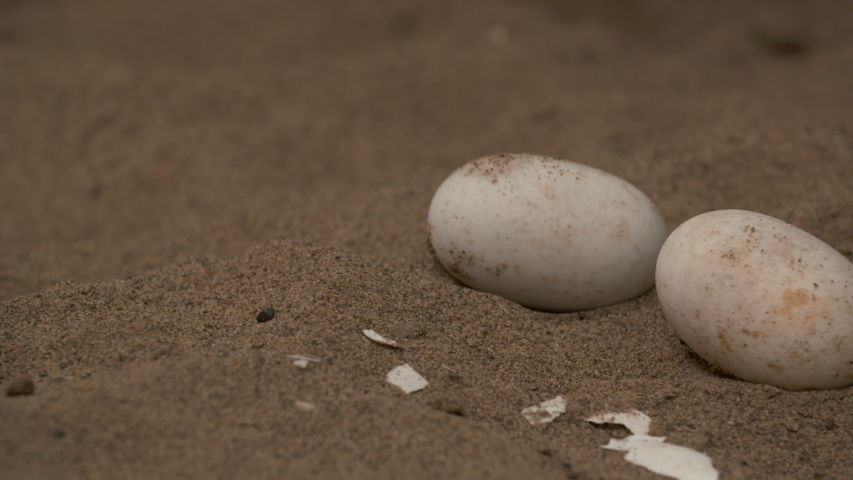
(170, 168)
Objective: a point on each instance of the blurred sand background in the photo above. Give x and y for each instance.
(169, 168)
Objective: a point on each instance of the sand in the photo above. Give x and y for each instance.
(170, 168)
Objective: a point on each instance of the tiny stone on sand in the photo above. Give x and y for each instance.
(21, 386)
(265, 315)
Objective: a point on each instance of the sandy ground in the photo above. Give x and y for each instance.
(169, 168)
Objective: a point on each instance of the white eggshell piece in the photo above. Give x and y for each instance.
(545, 412)
(375, 337)
(760, 298)
(406, 379)
(302, 361)
(673, 461)
(635, 421)
(546, 233)
(653, 453)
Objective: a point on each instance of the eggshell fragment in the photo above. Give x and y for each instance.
(760, 298)
(653, 453)
(406, 379)
(546, 233)
(635, 421)
(302, 361)
(674, 461)
(546, 411)
(375, 337)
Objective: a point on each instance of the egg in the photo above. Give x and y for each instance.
(760, 299)
(549, 234)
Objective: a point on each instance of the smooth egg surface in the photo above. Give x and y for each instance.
(760, 298)
(546, 233)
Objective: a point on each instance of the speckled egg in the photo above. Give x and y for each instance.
(760, 298)
(546, 233)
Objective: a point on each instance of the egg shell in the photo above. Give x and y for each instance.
(760, 298)
(546, 233)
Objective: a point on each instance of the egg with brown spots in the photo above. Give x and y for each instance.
(760, 299)
(546, 233)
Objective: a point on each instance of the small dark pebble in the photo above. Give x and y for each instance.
(829, 424)
(449, 405)
(21, 386)
(265, 315)
(96, 191)
(59, 433)
(781, 45)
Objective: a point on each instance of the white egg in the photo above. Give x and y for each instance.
(760, 298)
(546, 233)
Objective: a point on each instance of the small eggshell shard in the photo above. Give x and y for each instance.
(375, 337)
(635, 421)
(546, 233)
(304, 406)
(302, 361)
(406, 379)
(546, 411)
(653, 453)
(674, 461)
(760, 299)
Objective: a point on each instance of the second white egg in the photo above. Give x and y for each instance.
(760, 299)
(547, 233)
